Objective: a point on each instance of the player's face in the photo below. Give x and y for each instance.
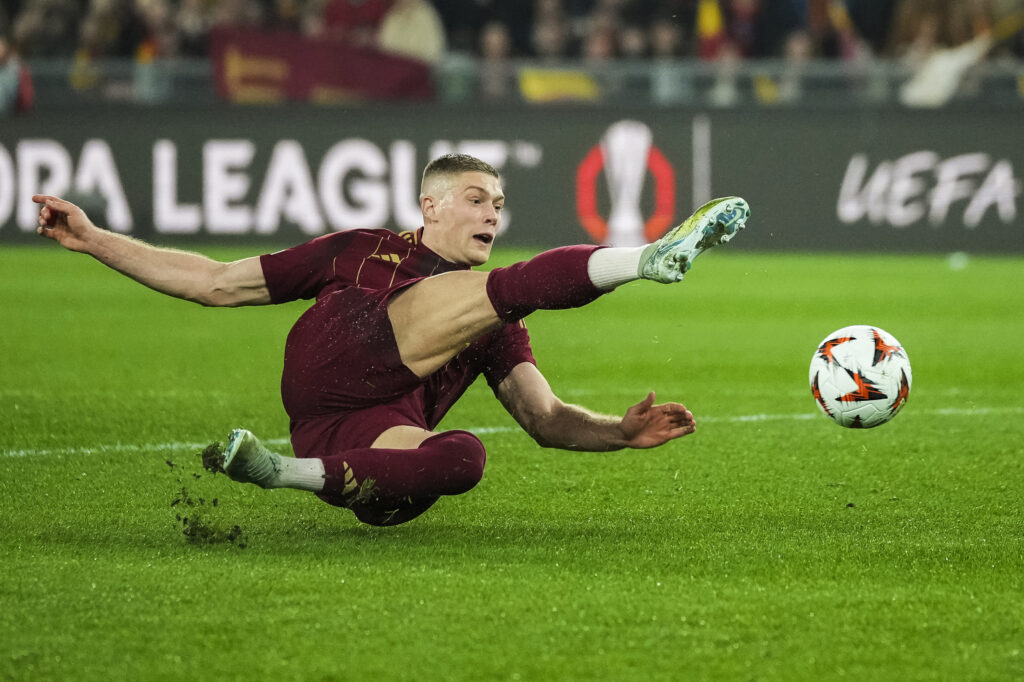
(465, 218)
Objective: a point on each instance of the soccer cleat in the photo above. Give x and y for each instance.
(246, 460)
(716, 222)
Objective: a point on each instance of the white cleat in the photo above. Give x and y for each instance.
(716, 222)
(247, 460)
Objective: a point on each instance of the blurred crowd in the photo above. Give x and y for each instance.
(496, 30)
(546, 29)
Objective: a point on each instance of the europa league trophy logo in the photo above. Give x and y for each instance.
(625, 146)
(626, 154)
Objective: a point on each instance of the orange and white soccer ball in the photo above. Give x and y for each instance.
(860, 376)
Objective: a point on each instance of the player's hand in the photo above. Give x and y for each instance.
(63, 222)
(647, 425)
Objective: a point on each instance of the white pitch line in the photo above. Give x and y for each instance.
(486, 430)
(120, 447)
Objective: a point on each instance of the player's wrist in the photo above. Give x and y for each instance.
(98, 243)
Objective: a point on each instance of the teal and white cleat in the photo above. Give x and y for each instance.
(247, 460)
(716, 222)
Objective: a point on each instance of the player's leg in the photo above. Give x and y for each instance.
(714, 223)
(667, 259)
(378, 505)
(384, 485)
(391, 514)
(438, 317)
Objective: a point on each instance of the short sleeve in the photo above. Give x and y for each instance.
(303, 270)
(510, 347)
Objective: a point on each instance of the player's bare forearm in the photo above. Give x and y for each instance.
(552, 423)
(645, 425)
(185, 275)
(572, 427)
(181, 274)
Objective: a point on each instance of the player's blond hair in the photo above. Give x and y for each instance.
(448, 167)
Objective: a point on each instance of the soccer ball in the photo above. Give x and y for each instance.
(860, 376)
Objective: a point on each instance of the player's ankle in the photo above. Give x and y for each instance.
(611, 267)
(300, 474)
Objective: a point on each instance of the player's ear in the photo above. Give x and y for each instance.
(428, 205)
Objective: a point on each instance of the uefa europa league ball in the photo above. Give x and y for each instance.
(860, 376)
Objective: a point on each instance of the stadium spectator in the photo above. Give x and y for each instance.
(671, 82)
(668, 37)
(633, 42)
(355, 22)
(46, 28)
(799, 49)
(743, 25)
(496, 74)
(837, 34)
(112, 28)
(600, 43)
(872, 20)
(238, 14)
(725, 92)
(161, 38)
(401, 328)
(922, 26)
(941, 41)
(192, 22)
(412, 28)
(552, 37)
(16, 92)
(465, 21)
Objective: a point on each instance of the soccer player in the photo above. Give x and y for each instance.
(401, 327)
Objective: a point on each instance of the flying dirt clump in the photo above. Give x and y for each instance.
(201, 519)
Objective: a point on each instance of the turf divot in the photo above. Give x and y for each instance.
(200, 523)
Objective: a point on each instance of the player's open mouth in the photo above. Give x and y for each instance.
(484, 238)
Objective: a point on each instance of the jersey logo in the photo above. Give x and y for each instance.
(387, 257)
(411, 236)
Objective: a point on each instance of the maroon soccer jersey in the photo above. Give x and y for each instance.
(343, 382)
(368, 259)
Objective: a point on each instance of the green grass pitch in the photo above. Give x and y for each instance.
(770, 545)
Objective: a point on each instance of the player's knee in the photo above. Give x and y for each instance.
(464, 457)
(382, 513)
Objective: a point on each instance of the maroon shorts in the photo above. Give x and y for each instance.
(341, 359)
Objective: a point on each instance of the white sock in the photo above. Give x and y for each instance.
(610, 267)
(301, 474)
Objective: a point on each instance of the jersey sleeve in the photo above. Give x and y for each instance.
(510, 347)
(303, 270)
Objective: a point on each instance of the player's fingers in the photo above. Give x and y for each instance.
(679, 432)
(48, 216)
(680, 417)
(59, 205)
(676, 411)
(49, 200)
(52, 202)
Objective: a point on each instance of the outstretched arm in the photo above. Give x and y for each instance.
(528, 397)
(190, 276)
